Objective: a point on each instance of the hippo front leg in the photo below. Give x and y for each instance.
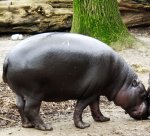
(96, 113)
(80, 106)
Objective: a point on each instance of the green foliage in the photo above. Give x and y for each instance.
(100, 19)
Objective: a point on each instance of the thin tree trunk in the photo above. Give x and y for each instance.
(100, 19)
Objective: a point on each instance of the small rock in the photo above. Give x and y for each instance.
(17, 37)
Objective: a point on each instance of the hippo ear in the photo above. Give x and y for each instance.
(148, 91)
(135, 83)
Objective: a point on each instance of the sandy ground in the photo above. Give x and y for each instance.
(119, 125)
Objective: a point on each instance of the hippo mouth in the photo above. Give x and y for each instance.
(140, 112)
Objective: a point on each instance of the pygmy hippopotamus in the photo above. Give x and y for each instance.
(58, 66)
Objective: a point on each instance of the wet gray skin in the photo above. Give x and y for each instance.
(64, 66)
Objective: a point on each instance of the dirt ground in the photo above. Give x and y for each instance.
(60, 114)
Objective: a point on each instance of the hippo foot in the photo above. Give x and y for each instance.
(44, 127)
(101, 119)
(82, 125)
(27, 125)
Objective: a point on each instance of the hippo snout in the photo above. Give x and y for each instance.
(140, 112)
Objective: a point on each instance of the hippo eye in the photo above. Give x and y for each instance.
(135, 83)
(144, 95)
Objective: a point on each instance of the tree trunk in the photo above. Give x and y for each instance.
(100, 19)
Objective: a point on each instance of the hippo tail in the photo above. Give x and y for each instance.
(5, 67)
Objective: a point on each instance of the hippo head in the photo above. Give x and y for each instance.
(132, 97)
(148, 90)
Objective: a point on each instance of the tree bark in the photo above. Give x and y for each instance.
(100, 19)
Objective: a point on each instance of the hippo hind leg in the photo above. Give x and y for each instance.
(31, 110)
(20, 102)
(96, 113)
